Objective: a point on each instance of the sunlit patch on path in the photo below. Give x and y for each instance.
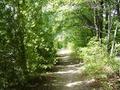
(86, 83)
(71, 69)
(64, 51)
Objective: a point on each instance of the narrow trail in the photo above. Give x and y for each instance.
(67, 76)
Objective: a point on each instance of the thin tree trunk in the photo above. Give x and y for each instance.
(95, 22)
(98, 19)
(109, 30)
(101, 20)
(118, 9)
(113, 42)
(115, 32)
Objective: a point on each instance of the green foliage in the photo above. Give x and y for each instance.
(12, 51)
(39, 39)
(94, 56)
(30, 33)
(23, 32)
(97, 62)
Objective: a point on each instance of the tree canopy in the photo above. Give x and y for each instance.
(31, 32)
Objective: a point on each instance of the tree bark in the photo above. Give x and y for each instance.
(118, 9)
(101, 19)
(113, 42)
(108, 27)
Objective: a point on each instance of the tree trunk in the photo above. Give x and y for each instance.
(98, 19)
(113, 42)
(118, 9)
(109, 26)
(95, 22)
(101, 19)
(115, 32)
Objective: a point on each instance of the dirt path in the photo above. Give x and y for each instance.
(68, 75)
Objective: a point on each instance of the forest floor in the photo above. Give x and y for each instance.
(67, 75)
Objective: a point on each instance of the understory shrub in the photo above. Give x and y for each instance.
(97, 62)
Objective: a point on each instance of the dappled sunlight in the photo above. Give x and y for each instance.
(59, 44)
(117, 58)
(72, 69)
(64, 51)
(66, 72)
(73, 84)
(87, 83)
(75, 65)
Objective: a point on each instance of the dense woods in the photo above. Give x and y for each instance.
(32, 31)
